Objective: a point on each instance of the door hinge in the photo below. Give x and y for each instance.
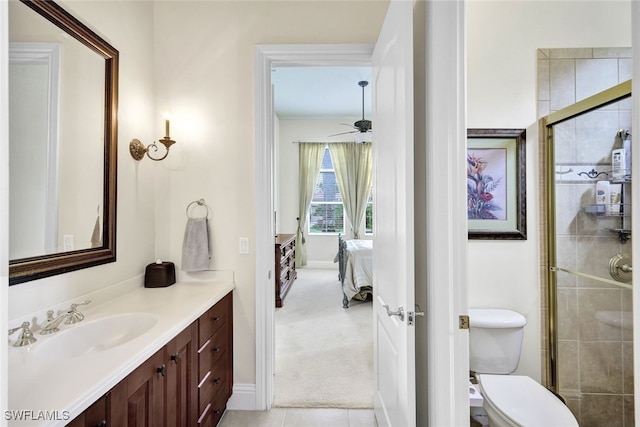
(463, 321)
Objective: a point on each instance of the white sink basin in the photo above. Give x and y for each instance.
(94, 335)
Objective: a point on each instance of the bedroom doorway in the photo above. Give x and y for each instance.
(313, 333)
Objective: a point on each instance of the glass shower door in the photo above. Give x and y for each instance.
(589, 222)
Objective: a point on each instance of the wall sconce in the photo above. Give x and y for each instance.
(138, 150)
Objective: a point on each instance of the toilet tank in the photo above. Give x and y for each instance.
(495, 340)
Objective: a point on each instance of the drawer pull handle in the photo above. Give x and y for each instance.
(201, 349)
(204, 413)
(215, 319)
(175, 357)
(201, 383)
(162, 370)
(217, 380)
(217, 349)
(217, 411)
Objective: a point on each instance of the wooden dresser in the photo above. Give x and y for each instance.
(285, 265)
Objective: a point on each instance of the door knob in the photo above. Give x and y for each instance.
(399, 312)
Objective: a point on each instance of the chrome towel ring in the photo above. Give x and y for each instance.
(199, 202)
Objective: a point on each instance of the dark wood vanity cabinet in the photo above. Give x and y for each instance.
(186, 383)
(138, 400)
(93, 416)
(215, 361)
(285, 265)
(182, 377)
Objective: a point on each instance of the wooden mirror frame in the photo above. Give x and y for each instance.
(32, 268)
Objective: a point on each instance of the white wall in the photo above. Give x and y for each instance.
(502, 40)
(126, 25)
(204, 73)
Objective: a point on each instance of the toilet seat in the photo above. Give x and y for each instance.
(521, 401)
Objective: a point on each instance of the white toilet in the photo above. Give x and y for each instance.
(495, 342)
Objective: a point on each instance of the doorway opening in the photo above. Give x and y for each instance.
(268, 58)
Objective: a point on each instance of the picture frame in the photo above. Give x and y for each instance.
(496, 184)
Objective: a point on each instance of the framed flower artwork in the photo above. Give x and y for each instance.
(496, 184)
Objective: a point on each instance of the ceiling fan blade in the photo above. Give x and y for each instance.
(344, 133)
(360, 126)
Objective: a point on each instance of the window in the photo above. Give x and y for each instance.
(326, 213)
(368, 216)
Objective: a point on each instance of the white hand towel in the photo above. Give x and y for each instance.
(196, 251)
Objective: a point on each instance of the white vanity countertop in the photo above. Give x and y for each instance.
(65, 388)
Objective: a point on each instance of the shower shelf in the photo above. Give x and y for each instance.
(601, 210)
(623, 233)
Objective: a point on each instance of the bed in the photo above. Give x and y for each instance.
(355, 269)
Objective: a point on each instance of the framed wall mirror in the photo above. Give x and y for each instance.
(63, 93)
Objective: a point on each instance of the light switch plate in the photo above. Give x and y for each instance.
(244, 245)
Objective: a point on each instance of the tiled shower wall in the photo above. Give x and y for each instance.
(595, 359)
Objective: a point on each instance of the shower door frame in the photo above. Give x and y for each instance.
(549, 261)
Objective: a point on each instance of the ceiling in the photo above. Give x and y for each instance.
(321, 92)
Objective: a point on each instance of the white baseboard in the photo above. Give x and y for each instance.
(243, 397)
(329, 265)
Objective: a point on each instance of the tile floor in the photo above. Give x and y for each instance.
(300, 417)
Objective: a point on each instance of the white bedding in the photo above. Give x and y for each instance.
(358, 279)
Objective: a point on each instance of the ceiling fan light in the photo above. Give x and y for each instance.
(362, 137)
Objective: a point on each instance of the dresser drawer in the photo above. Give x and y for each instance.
(213, 319)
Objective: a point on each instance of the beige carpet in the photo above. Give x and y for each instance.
(324, 353)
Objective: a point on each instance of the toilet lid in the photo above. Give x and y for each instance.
(524, 401)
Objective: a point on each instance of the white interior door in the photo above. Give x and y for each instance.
(393, 254)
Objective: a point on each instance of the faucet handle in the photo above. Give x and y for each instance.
(50, 326)
(85, 302)
(13, 330)
(26, 337)
(74, 315)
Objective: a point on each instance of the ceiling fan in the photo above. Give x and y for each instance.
(361, 126)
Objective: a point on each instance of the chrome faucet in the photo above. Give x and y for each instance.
(73, 315)
(26, 336)
(50, 325)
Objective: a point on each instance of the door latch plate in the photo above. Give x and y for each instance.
(463, 321)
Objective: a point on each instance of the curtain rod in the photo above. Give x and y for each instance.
(330, 142)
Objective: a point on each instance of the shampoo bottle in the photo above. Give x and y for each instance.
(621, 156)
(617, 163)
(603, 193)
(626, 145)
(615, 194)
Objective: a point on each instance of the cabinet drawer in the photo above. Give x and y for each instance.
(212, 351)
(210, 416)
(214, 387)
(213, 319)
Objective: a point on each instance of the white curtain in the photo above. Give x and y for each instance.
(309, 161)
(353, 163)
